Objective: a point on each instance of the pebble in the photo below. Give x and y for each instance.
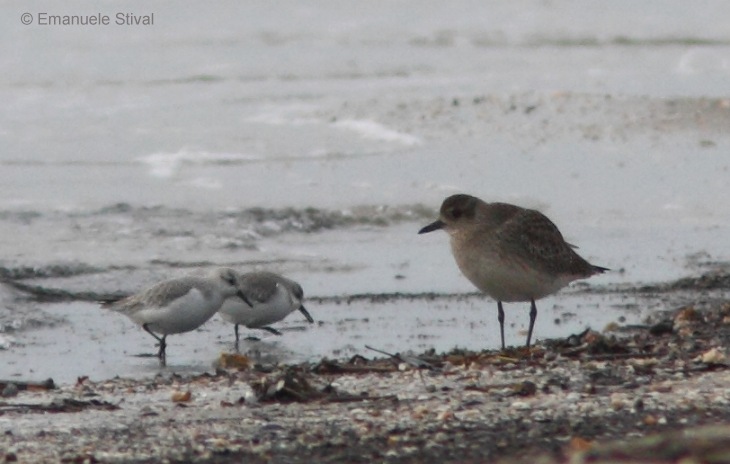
(181, 397)
(5, 342)
(521, 405)
(10, 390)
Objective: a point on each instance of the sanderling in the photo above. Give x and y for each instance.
(509, 253)
(179, 305)
(272, 296)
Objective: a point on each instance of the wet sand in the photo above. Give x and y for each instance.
(103, 344)
(569, 399)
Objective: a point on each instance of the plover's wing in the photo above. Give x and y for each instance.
(157, 296)
(532, 236)
(259, 286)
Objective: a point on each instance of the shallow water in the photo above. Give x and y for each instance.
(105, 344)
(317, 142)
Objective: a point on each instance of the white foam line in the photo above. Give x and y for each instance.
(206, 183)
(277, 119)
(374, 130)
(286, 115)
(701, 61)
(165, 165)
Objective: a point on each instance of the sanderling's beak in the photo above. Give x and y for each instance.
(243, 297)
(436, 225)
(304, 311)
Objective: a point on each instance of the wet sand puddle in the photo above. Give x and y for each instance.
(99, 344)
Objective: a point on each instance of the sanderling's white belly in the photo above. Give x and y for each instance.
(182, 315)
(273, 310)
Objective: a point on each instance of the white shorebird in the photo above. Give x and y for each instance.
(180, 305)
(509, 253)
(272, 298)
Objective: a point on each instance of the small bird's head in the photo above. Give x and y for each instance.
(297, 291)
(298, 294)
(231, 282)
(455, 209)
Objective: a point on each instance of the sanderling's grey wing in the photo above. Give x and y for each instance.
(159, 295)
(259, 286)
(534, 237)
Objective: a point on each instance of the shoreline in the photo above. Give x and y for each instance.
(568, 400)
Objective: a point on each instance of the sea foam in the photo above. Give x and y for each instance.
(166, 165)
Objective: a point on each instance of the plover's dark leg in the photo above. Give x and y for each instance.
(533, 316)
(235, 330)
(500, 318)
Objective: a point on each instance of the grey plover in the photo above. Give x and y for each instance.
(509, 253)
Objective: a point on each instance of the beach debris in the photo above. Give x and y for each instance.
(233, 361)
(413, 361)
(579, 444)
(10, 390)
(47, 384)
(702, 444)
(685, 319)
(296, 384)
(662, 328)
(524, 388)
(328, 366)
(591, 343)
(713, 356)
(288, 386)
(475, 399)
(58, 405)
(725, 314)
(181, 396)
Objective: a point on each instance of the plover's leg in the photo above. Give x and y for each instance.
(533, 316)
(500, 318)
(235, 329)
(270, 329)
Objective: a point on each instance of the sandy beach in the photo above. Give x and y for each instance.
(651, 392)
(314, 140)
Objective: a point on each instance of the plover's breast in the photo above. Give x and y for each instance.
(506, 276)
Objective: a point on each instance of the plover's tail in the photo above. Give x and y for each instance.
(599, 269)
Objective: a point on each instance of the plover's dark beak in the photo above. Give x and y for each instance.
(304, 311)
(243, 297)
(436, 225)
